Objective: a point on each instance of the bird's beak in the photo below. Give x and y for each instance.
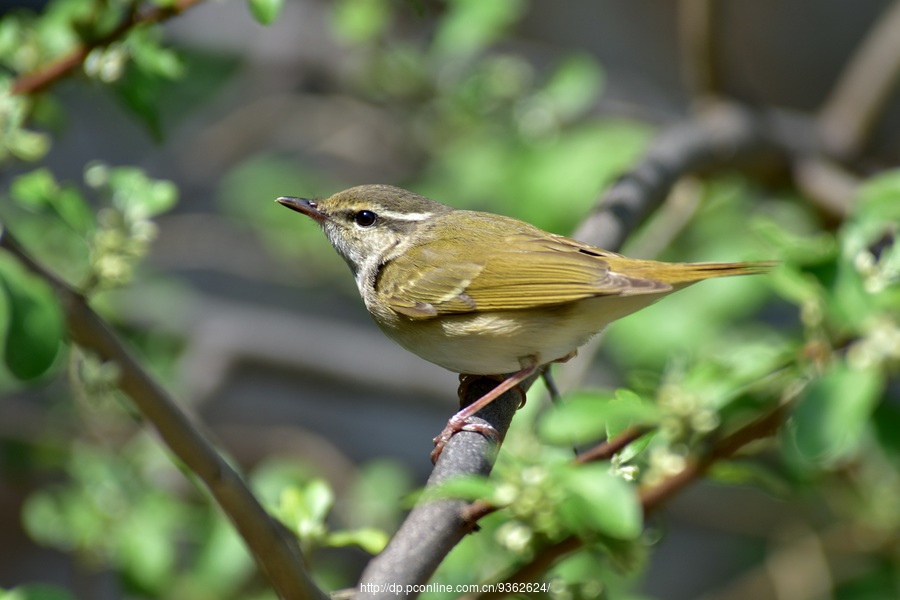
(304, 206)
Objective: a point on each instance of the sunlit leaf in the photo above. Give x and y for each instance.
(361, 21)
(265, 11)
(471, 25)
(596, 502)
(369, 539)
(588, 416)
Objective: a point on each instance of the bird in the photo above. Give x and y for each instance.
(483, 294)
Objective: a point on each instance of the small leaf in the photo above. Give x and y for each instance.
(139, 196)
(34, 189)
(588, 416)
(831, 416)
(36, 591)
(35, 323)
(574, 86)
(369, 539)
(469, 487)
(596, 501)
(319, 499)
(471, 25)
(361, 21)
(265, 11)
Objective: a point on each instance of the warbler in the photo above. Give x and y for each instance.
(484, 294)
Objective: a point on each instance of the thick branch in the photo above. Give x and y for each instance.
(48, 75)
(275, 549)
(432, 529)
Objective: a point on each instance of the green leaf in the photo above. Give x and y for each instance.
(598, 502)
(472, 25)
(833, 412)
(34, 189)
(265, 11)
(361, 21)
(369, 539)
(35, 323)
(39, 189)
(588, 416)
(36, 591)
(139, 196)
(469, 487)
(574, 86)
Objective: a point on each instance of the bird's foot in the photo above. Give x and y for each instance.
(454, 426)
(461, 420)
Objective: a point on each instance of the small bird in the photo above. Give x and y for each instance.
(484, 294)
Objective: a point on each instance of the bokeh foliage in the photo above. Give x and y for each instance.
(485, 128)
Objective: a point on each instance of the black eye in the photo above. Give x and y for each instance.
(365, 218)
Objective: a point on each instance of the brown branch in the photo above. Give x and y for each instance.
(696, 29)
(863, 89)
(603, 451)
(606, 450)
(653, 498)
(432, 529)
(275, 548)
(49, 74)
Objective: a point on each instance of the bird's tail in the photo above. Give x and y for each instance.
(682, 274)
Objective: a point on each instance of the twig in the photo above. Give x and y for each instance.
(605, 450)
(863, 89)
(699, 67)
(48, 75)
(275, 549)
(653, 498)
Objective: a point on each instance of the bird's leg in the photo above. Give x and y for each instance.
(460, 421)
(551, 385)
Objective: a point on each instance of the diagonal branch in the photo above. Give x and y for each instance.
(275, 548)
(51, 73)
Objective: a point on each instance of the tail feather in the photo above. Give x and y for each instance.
(681, 274)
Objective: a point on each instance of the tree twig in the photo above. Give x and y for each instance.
(653, 498)
(51, 73)
(863, 89)
(275, 548)
(699, 65)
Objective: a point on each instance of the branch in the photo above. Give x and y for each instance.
(603, 451)
(275, 548)
(49, 74)
(863, 89)
(432, 529)
(722, 136)
(696, 28)
(653, 498)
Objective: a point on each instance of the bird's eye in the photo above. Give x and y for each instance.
(365, 218)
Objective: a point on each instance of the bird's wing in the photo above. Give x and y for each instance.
(526, 268)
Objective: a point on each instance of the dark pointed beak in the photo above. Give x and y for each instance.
(303, 206)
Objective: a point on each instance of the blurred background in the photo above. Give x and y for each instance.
(526, 108)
